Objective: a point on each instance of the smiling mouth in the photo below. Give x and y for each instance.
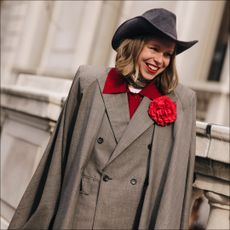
(151, 68)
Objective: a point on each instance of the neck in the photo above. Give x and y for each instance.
(138, 83)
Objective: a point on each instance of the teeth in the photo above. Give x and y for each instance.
(152, 67)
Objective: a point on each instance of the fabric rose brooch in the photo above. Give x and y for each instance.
(162, 110)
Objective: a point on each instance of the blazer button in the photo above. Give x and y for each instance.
(133, 181)
(149, 146)
(106, 178)
(100, 140)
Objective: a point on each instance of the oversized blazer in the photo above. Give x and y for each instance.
(51, 197)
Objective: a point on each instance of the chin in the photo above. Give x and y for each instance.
(148, 77)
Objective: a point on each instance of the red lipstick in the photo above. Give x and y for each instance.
(151, 71)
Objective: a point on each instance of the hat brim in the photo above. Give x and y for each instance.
(140, 27)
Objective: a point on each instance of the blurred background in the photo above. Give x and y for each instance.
(44, 42)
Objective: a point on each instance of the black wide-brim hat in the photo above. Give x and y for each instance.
(160, 22)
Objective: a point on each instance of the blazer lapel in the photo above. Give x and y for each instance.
(137, 125)
(117, 110)
(180, 111)
(141, 122)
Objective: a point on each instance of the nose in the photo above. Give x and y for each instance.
(158, 58)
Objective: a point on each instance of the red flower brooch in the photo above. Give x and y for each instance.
(162, 110)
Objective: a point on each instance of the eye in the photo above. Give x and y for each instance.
(168, 55)
(154, 48)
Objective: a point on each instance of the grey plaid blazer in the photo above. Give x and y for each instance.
(97, 153)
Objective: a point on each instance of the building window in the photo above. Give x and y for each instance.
(221, 46)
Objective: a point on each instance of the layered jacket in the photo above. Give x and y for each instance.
(89, 118)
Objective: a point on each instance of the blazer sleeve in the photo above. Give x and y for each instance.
(40, 200)
(190, 170)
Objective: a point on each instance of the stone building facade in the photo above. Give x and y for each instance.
(44, 42)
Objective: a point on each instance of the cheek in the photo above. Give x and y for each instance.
(166, 63)
(139, 62)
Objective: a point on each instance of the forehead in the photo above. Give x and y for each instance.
(162, 42)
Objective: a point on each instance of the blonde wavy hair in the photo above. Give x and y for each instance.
(126, 59)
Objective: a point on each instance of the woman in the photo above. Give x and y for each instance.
(122, 154)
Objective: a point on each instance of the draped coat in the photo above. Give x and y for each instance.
(50, 199)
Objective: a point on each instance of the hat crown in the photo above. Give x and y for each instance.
(163, 19)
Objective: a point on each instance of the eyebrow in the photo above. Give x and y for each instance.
(171, 51)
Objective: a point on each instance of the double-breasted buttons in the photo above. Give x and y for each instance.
(106, 178)
(100, 140)
(133, 181)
